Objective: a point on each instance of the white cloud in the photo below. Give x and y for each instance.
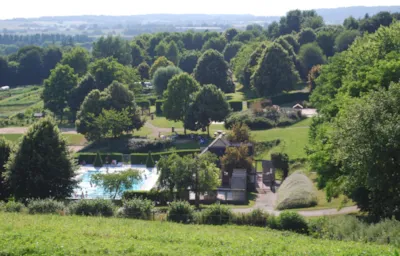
(37, 8)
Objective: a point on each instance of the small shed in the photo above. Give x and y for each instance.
(5, 88)
(38, 115)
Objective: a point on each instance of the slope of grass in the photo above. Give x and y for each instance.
(65, 235)
(19, 99)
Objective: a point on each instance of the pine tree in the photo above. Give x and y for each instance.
(149, 161)
(41, 166)
(97, 161)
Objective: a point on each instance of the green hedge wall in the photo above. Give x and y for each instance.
(159, 104)
(152, 100)
(145, 104)
(140, 158)
(236, 105)
(162, 197)
(90, 157)
(290, 97)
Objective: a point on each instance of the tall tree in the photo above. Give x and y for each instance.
(188, 61)
(215, 43)
(231, 50)
(307, 36)
(162, 76)
(113, 123)
(311, 55)
(51, 58)
(78, 93)
(57, 89)
(144, 71)
(326, 40)
(178, 97)
(229, 34)
(5, 150)
(350, 23)
(275, 72)
(115, 47)
(30, 67)
(209, 105)
(212, 69)
(44, 173)
(345, 39)
(115, 183)
(159, 63)
(173, 52)
(77, 58)
(138, 55)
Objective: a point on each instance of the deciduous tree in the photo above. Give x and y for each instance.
(115, 183)
(162, 76)
(78, 58)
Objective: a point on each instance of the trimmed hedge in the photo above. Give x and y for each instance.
(152, 100)
(144, 104)
(141, 158)
(89, 158)
(160, 197)
(236, 106)
(159, 104)
(290, 97)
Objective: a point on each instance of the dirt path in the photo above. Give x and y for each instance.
(156, 131)
(19, 130)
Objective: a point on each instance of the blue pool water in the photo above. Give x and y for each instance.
(86, 189)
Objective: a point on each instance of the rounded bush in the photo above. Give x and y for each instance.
(296, 191)
(137, 208)
(217, 214)
(12, 206)
(293, 221)
(257, 217)
(180, 211)
(48, 206)
(97, 207)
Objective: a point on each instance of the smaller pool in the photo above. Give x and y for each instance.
(86, 189)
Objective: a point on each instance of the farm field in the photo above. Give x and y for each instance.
(23, 234)
(19, 99)
(72, 139)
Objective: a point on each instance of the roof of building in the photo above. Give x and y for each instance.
(297, 106)
(222, 142)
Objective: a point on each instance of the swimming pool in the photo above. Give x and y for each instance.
(86, 189)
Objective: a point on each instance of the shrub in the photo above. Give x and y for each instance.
(149, 160)
(216, 214)
(180, 211)
(97, 161)
(152, 100)
(257, 217)
(142, 146)
(248, 118)
(350, 228)
(144, 104)
(290, 98)
(159, 104)
(140, 158)
(236, 105)
(97, 207)
(296, 191)
(137, 208)
(293, 221)
(284, 121)
(48, 206)
(12, 206)
(159, 197)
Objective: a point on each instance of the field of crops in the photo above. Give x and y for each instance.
(19, 99)
(23, 234)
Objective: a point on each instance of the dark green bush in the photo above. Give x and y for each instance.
(236, 106)
(290, 98)
(216, 214)
(141, 158)
(97, 207)
(137, 208)
(293, 221)
(257, 217)
(47, 206)
(152, 100)
(159, 197)
(97, 161)
(142, 146)
(12, 206)
(159, 104)
(181, 212)
(144, 104)
(248, 118)
(89, 158)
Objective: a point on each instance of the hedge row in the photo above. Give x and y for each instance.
(159, 104)
(141, 158)
(90, 157)
(290, 97)
(144, 104)
(236, 105)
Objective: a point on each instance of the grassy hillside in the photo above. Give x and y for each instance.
(19, 99)
(64, 235)
(72, 139)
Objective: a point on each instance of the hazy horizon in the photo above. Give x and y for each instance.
(41, 8)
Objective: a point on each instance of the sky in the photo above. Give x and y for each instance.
(38, 8)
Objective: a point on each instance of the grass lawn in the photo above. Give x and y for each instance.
(162, 122)
(23, 234)
(293, 141)
(19, 99)
(72, 139)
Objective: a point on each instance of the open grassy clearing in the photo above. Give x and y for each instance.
(72, 139)
(19, 99)
(23, 234)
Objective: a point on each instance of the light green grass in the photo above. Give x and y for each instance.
(21, 99)
(293, 141)
(303, 123)
(23, 234)
(72, 139)
(144, 131)
(162, 122)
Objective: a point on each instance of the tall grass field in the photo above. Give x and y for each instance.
(22, 234)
